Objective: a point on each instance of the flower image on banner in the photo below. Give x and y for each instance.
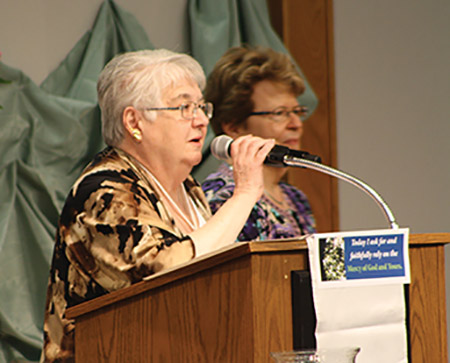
(332, 259)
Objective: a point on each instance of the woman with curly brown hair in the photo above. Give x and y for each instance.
(254, 91)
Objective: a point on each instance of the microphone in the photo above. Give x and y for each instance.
(283, 156)
(220, 148)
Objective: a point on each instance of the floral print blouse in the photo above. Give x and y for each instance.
(267, 220)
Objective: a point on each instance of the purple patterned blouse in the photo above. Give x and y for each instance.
(266, 220)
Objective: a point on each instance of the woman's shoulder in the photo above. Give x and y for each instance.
(107, 159)
(109, 172)
(112, 165)
(108, 182)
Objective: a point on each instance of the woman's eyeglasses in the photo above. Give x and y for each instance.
(281, 114)
(189, 109)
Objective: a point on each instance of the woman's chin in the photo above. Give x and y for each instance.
(195, 160)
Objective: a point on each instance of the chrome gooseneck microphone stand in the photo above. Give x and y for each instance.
(300, 162)
(283, 156)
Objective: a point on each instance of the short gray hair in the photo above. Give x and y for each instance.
(138, 79)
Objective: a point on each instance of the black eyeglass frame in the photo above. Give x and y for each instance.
(301, 111)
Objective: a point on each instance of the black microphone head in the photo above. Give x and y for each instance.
(220, 147)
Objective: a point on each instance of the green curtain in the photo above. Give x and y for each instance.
(47, 136)
(50, 132)
(219, 25)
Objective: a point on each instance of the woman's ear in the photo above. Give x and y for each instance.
(234, 130)
(131, 119)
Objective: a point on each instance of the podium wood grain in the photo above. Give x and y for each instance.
(428, 319)
(235, 306)
(232, 307)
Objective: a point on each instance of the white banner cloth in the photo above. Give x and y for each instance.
(371, 317)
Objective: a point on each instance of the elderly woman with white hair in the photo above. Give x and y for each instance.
(135, 210)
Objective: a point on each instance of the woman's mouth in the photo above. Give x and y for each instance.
(292, 143)
(197, 140)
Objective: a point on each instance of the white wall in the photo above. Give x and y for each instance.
(36, 35)
(392, 66)
(392, 61)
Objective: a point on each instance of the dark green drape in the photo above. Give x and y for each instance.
(48, 134)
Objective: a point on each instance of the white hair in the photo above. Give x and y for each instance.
(138, 79)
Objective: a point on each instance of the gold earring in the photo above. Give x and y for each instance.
(137, 134)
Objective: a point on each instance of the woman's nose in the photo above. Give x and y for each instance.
(200, 118)
(294, 121)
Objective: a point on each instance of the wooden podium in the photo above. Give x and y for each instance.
(235, 306)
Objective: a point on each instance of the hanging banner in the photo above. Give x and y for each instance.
(368, 257)
(358, 288)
